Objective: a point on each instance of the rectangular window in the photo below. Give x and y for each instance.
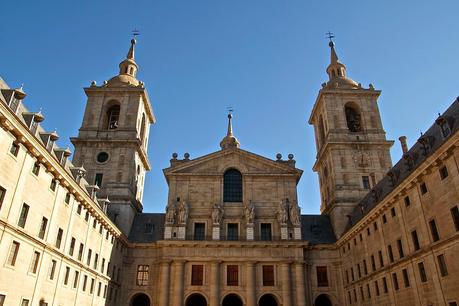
(392, 212)
(423, 187)
(75, 280)
(101, 228)
(23, 216)
(232, 275)
(358, 269)
(99, 288)
(12, 256)
(391, 254)
(377, 288)
(91, 289)
(66, 277)
(105, 291)
(88, 260)
(34, 263)
(349, 297)
(102, 268)
(352, 274)
(60, 232)
(85, 281)
(265, 231)
(406, 278)
(233, 231)
(375, 226)
(322, 277)
(454, 214)
(415, 239)
(96, 261)
(142, 275)
(52, 269)
(400, 248)
(443, 172)
(365, 269)
(268, 275)
(53, 185)
(385, 285)
(86, 216)
(79, 209)
(43, 226)
(366, 182)
(381, 259)
(347, 277)
(25, 302)
(442, 265)
(384, 219)
(80, 251)
(373, 263)
(2, 195)
(407, 201)
(199, 231)
(395, 281)
(361, 294)
(36, 168)
(434, 230)
(67, 198)
(422, 272)
(72, 246)
(2, 299)
(368, 291)
(98, 179)
(14, 150)
(197, 275)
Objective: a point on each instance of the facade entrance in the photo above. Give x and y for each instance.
(232, 300)
(196, 300)
(140, 300)
(322, 300)
(268, 300)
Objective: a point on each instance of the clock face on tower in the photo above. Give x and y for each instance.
(361, 159)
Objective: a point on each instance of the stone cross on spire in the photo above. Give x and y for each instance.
(229, 141)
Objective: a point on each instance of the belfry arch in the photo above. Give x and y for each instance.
(196, 299)
(140, 299)
(268, 300)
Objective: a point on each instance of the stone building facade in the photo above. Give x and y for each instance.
(232, 232)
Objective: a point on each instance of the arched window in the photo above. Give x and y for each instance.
(353, 121)
(232, 186)
(142, 129)
(321, 130)
(113, 115)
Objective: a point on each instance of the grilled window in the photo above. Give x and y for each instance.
(142, 275)
(232, 186)
(197, 275)
(113, 115)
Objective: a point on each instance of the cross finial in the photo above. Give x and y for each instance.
(135, 33)
(230, 109)
(330, 36)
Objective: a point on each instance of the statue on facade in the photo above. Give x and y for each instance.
(282, 212)
(295, 213)
(217, 213)
(183, 213)
(249, 212)
(170, 213)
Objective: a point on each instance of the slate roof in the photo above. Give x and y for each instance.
(317, 229)
(426, 145)
(147, 227)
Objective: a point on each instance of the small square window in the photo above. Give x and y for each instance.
(407, 201)
(53, 185)
(79, 208)
(443, 172)
(14, 150)
(67, 198)
(423, 188)
(366, 182)
(375, 226)
(36, 168)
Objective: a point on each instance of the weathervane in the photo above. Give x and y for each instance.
(230, 109)
(330, 36)
(135, 33)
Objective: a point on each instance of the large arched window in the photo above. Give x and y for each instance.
(232, 186)
(353, 118)
(113, 117)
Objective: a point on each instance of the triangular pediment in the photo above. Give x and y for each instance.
(218, 162)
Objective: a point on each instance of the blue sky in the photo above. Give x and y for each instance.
(266, 59)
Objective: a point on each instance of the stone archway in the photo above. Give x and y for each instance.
(232, 300)
(322, 300)
(268, 300)
(196, 299)
(140, 299)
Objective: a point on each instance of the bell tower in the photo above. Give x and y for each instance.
(352, 149)
(113, 139)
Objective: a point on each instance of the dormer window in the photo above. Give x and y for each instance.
(444, 126)
(232, 186)
(113, 115)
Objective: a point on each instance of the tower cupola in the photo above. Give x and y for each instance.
(229, 141)
(128, 70)
(337, 72)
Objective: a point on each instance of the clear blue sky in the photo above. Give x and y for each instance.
(265, 58)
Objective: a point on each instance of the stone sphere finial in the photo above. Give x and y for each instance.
(186, 155)
(174, 155)
(290, 156)
(93, 84)
(279, 156)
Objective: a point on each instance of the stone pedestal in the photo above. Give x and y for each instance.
(216, 231)
(168, 232)
(284, 232)
(250, 232)
(297, 233)
(181, 232)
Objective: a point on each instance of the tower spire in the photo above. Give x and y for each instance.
(130, 54)
(336, 70)
(229, 141)
(128, 69)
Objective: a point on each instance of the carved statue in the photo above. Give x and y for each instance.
(217, 213)
(282, 212)
(295, 213)
(170, 213)
(183, 212)
(249, 212)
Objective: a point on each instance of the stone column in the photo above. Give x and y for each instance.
(299, 280)
(165, 282)
(251, 285)
(286, 287)
(177, 291)
(215, 283)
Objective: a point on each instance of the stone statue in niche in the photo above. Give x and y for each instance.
(217, 213)
(183, 213)
(282, 212)
(249, 212)
(170, 213)
(295, 213)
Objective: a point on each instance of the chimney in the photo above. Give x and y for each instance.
(403, 143)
